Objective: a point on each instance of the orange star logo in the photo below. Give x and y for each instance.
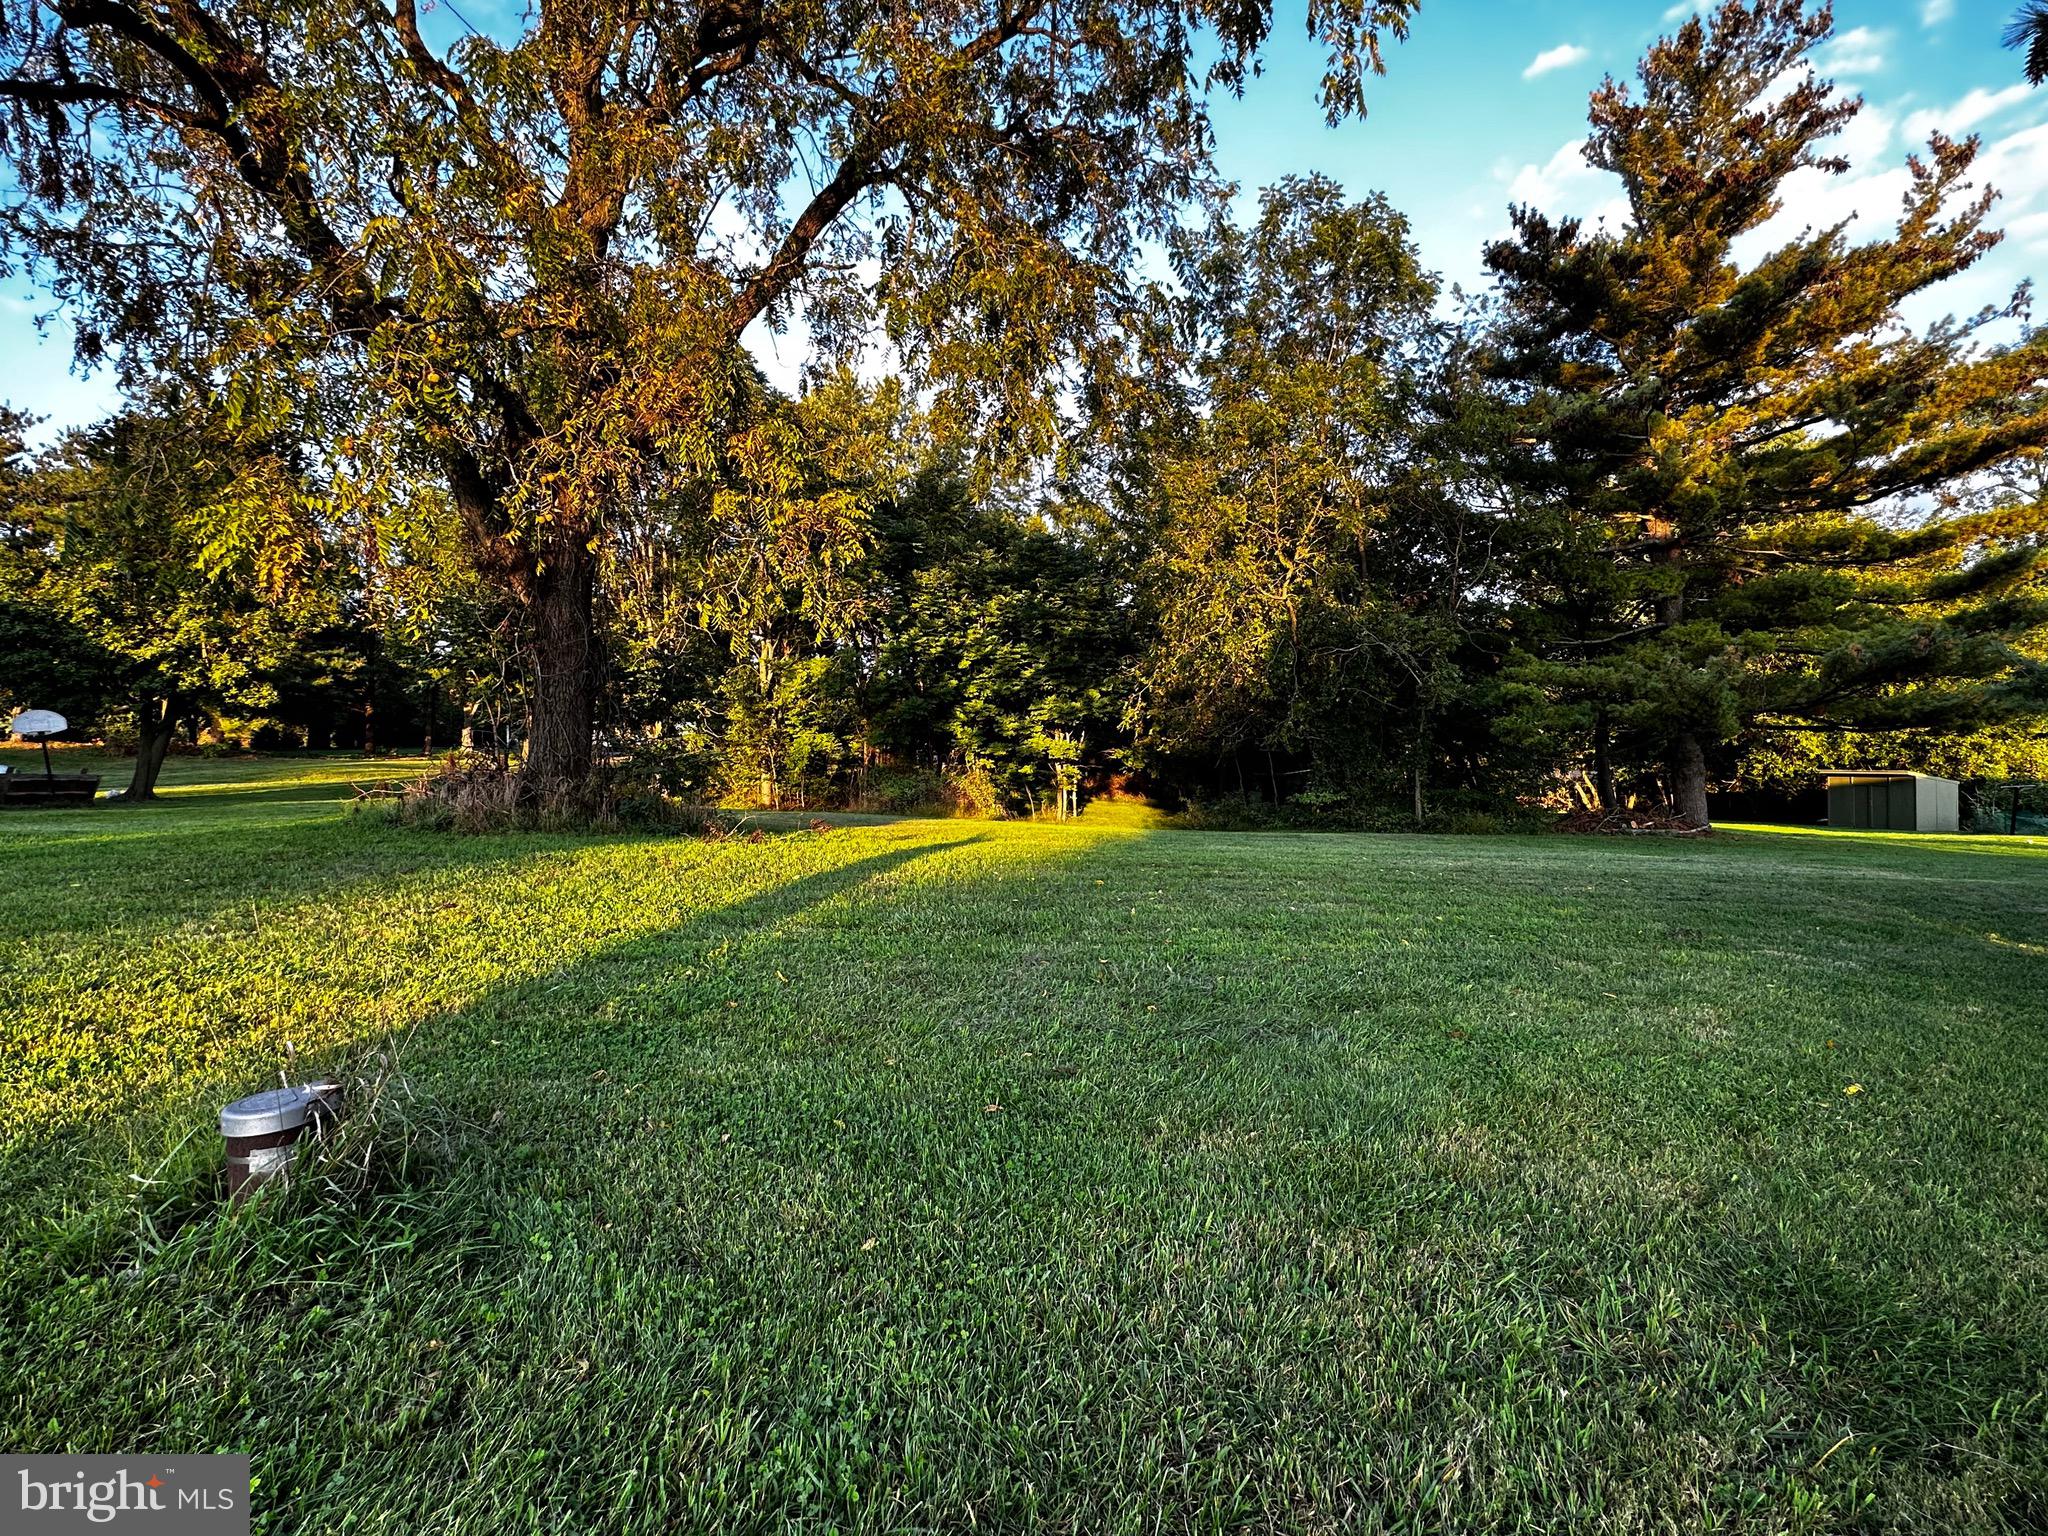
(155, 1481)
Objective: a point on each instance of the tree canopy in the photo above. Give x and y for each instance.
(523, 265)
(443, 418)
(1744, 464)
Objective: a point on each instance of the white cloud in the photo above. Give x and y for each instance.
(1566, 186)
(2017, 165)
(1680, 11)
(1960, 118)
(1869, 198)
(1934, 12)
(1865, 137)
(1858, 51)
(1867, 203)
(2029, 231)
(1560, 57)
(1866, 197)
(1544, 185)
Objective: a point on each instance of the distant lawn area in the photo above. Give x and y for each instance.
(947, 1176)
(304, 775)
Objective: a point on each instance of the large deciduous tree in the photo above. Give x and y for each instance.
(1306, 572)
(1746, 476)
(523, 264)
(186, 556)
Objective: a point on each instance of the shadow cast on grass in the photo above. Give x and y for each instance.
(604, 975)
(152, 876)
(68, 1230)
(122, 1115)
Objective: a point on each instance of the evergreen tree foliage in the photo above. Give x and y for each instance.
(1737, 464)
(2028, 34)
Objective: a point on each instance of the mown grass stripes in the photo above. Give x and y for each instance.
(928, 1175)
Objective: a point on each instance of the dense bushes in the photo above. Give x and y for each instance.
(1320, 813)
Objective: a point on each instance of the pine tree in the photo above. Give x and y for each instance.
(2028, 33)
(1743, 475)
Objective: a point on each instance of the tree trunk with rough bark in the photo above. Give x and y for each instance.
(1603, 766)
(563, 712)
(153, 726)
(1688, 768)
(1687, 763)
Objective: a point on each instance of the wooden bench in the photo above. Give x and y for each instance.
(31, 789)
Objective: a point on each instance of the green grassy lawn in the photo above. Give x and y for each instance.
(300, 776)
(934, 1176)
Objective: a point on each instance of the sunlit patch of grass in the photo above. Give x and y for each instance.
(928, 1174)
(2038, 950)
(1938, 842)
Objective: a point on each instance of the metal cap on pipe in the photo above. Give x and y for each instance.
(277, 1109)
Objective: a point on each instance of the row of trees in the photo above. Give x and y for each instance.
(440, 382)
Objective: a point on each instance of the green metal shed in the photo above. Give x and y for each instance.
(1893, 800)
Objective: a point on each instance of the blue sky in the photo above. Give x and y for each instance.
(1485, 105)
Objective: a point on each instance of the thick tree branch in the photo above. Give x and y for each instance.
(53, 95)
(859, 172)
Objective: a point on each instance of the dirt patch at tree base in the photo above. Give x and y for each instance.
(1632, 823)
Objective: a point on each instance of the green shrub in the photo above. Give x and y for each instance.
(683, 767)
(1325, 811)
(974, 792)
(471, 793)
(901, 790)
